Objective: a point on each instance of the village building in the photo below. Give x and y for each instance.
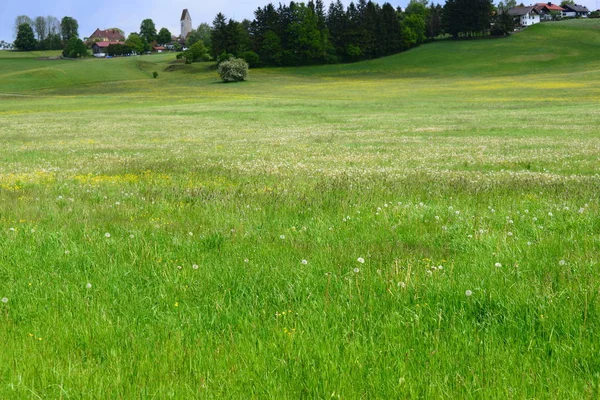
(108, 35)
(186, 24)
(99, 49)
(548, 10)
(525, 16)
(575, 10)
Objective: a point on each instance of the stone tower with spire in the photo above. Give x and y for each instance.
(186, 23)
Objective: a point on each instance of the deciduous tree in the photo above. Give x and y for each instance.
(135, 42)
(164, 36)
(25, 39)
(75, 48)
(69, 28)
(22, 19)
(202, 33)
(41, 28)
(197, 52)
(148, 30)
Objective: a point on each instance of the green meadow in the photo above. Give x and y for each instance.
(425, 225)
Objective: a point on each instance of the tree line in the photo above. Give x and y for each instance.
(299, 33)
(48, 33)
(309, 33)
(44, 33)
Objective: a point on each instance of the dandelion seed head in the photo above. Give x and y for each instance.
(88, 285)
(4, 300)
(356, 270)
(281, 237)
(107, 234)
(195, 266)
(304, 262)
(360, 260)
(497, 265)
(562, 262)
(468, 293)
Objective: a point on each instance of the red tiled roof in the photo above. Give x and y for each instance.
(112, 35)
(159, 48)
(106, 44)
(550, 7)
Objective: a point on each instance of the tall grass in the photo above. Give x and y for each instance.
(303, 234)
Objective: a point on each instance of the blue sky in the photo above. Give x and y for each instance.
(128, 15)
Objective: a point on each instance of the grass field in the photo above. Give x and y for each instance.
(420, 226)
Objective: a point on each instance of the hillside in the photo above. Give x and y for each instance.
(545, 50)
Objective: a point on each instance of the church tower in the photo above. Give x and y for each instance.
(186, 23)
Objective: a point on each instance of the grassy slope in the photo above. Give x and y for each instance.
(501, 131)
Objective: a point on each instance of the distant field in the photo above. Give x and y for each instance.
(424, 225)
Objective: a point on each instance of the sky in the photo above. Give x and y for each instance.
(128, 14)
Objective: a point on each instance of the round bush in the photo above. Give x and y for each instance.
(251, 58)
(233, 70)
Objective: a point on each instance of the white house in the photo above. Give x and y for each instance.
(575, 10)
(525, 16)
